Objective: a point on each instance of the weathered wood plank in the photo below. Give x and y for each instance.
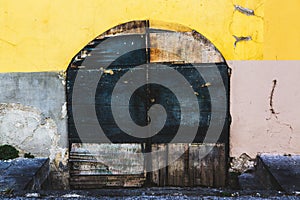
(132, 27)
(101, 181)
(176, 171)
(194, 167)
(160, 160)
(177, 47)
(115, 158)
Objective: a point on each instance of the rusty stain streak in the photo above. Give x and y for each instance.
(242, 38)
(271, 99)
(244, 10)
(158, 54)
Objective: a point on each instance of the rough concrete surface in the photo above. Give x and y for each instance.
(26, 128)
(43, 91)
(33, 116)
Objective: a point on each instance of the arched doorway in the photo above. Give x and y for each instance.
(112, 85)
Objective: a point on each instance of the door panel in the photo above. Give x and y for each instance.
(101, 65)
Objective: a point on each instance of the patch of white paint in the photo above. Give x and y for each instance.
(63, 111)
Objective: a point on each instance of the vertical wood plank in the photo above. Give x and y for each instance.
(177, 171)
(159, 161)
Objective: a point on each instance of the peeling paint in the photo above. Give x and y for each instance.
(27, 129)
(206, 84)
(59, 159)
(242, 38)
(244, 10)
(62, 76)
(108, 71)
(63, 111)
(247, 24)
(16, 119)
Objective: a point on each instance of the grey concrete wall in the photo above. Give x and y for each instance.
(33, 116)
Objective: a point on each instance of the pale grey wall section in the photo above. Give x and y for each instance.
(35, 95)
(264, 121)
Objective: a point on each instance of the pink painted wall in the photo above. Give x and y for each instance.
(254, 129)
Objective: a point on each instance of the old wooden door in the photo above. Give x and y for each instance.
(137, 48)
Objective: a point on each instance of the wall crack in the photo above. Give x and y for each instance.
(8, 42)
(271, 99)
(248, 12)
(272, 110)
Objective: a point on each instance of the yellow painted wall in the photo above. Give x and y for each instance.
(44, 35)
(282, 30)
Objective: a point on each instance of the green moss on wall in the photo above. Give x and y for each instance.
(8, 152)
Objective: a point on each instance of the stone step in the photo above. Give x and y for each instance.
(279, 172)
(23, 174)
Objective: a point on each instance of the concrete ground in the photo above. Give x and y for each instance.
(151, 193)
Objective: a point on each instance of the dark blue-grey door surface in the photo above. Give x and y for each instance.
(144, 97)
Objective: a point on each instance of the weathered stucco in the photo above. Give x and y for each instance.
(33, 117)
(42, 91)
(256, 125)
(25, 128)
